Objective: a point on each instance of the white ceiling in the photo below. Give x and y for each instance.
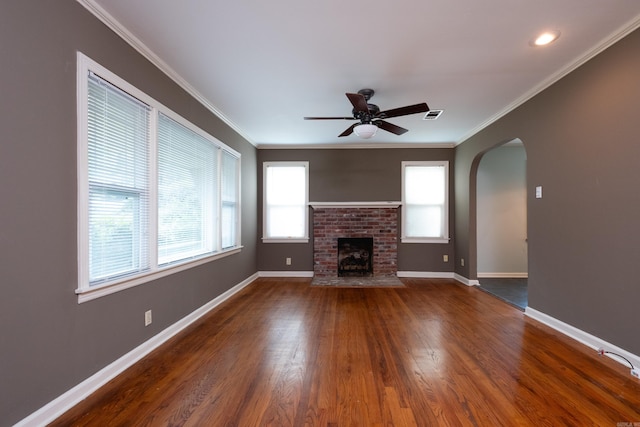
(264, 65)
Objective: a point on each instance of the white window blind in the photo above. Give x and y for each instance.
(425, 201)
(118, 157)
(187, 190)
(286, 200)
(230, 200)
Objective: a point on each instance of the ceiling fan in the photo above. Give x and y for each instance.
(370, 117)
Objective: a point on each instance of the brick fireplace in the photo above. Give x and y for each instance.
(378, 220)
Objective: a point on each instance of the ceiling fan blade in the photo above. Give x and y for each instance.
(349, 130)
(403, 111)
(358, 101)
(330, 118)
(390, 127)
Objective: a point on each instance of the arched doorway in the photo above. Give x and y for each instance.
(501, 217)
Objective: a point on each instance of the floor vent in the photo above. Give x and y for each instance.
(432, 114)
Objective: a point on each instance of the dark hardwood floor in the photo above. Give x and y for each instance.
(432, 353)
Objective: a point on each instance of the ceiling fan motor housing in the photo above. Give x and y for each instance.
(365, 116)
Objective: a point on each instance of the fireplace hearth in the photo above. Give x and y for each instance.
(355, 256)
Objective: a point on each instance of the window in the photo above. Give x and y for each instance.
(425, 202)
(154, 192)
(186, 192)
(118, 181)
(286, 199)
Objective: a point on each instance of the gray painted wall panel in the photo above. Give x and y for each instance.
(49, 342)
(581, 137)
(355, 175)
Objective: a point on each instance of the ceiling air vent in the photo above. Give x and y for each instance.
(432, 114)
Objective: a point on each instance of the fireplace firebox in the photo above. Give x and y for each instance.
(355, 256)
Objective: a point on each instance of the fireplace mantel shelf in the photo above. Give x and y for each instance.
(370, 205)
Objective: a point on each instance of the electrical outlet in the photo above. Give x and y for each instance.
(147, 318)
(462, 262)
(288, 261)
(445, 258)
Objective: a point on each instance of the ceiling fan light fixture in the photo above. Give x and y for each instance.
(365, 130)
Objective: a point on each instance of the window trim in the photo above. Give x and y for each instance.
(303, 239)
(85, 291)
(446, 238)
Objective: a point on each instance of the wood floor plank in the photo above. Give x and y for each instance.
(434, 352)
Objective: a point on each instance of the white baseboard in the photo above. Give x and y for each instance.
(524, 275)
(582, 336)
(438, 275)
(426, 274)
(465, 281)
(285, 274)
(72, 397)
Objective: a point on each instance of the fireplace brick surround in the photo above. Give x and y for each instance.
(330, 223)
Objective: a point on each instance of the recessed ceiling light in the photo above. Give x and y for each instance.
(545, 38)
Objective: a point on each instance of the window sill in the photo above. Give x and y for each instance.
(285, 240)
(88, 294)
(424, 240)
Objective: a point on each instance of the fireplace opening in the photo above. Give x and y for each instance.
(355, 256)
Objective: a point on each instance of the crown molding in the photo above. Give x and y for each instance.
(604, 44)
(141, 48)
(145, 51)
(353, 146)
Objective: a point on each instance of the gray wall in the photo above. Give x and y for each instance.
(49, 342)
(502, 212)
(352, 175)
(581, 137)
